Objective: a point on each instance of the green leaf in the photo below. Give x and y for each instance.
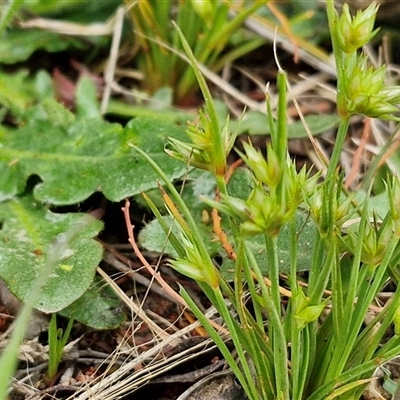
(169, 114)
(162, 99)
(152, 238)
(309, 314)
(307, 234)
(19, 90)
(58, 115)
(75, 158)
(255, 123)
(241, 184)
(86, 99)
(377, 205)
(28, 233)
(12, 94)
(18, 45)
(43, 85)
(67, 10)
(318, 123)
(99, 307)
(199, 183)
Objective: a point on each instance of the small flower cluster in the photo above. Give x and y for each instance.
(342, 208)
(195, 264)
(378, 233)
(355, 32)
(274, 199)
(363, 89)
(375, 241)
(367, 94)
(200, 153)
(303, 312)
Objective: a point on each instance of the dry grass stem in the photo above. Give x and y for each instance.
(112, 61)
(69, 28)
(149, 268)
(112, 259)
(306, 51)
(127, 378)
(137, 310)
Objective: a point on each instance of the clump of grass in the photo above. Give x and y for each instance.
(208, 29)
(300, 341)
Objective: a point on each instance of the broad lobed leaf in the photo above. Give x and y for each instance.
(99, 307)
(27, 239)
(76, 159)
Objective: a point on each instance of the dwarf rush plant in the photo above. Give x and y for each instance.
(208, 29)
(57, 341)
(294, 339)
(290, 259)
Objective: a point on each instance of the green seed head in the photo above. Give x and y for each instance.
(355, 32)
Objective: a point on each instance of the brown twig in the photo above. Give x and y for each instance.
(189, 316)
(232, 168)
(124, 266)
(217, 219)
(393, 147)
(155, 274)
(143, 260)
(355, 167)
(53, 389)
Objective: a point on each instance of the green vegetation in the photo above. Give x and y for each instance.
(301, 258)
